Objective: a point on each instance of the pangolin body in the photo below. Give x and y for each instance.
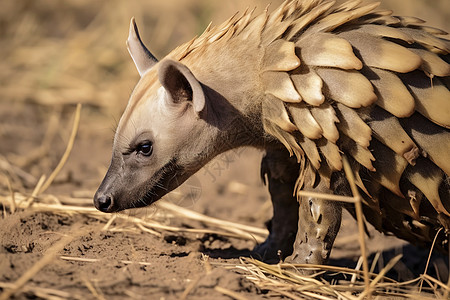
(348, 80)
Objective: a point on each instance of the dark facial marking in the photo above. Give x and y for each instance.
(162, 185)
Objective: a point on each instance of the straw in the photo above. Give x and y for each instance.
(45, 293)
(66, 154)
(229, 293)
(429, 257)
(360, 220)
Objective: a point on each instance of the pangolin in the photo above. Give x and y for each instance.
(310, 83)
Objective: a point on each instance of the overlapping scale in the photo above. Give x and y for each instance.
(383, 54)
(383, 31)
(327, 119)
(348, 87)
(427, 178)
(280, 56)
(432, 63)
(285, 138)
(388, 130)
(390, 167)
(351, 124)
(327, 50)
(305, 121)
(432, 98)
(428, 40)
(274, 110)
(311, 151)
(359, 153)
(432, 138)
(393, 96)
(309, 85)
(279, 84)
(331, 153)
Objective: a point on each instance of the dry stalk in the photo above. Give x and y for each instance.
(235, 233)
(360, 220)
(435, 281)
(35, 192)
(45, 293)
(447, 292)
(13, 198)
(314, 289)
(229, 293)
(15, 173)
(357, 267)
(148, 230)
(341, 270)
(191, 286)
(181, 211)
(108, 224)
(206, 264)
(284, 293)
(429, 257)
(389, 266)
(93, 290)
(325, 196)
(66, 154)
(375, 261)
(84, 259)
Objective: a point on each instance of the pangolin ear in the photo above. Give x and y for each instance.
(141, 56)
(181, 84)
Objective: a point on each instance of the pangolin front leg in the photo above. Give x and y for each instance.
(281, 171)
(318, 224)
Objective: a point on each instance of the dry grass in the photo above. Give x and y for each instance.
(61, 53)
(284, 279)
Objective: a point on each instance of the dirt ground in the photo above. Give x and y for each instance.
(56, 54)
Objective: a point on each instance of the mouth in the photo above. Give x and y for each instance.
(165, 180)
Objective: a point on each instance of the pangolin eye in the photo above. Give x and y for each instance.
(146, 148)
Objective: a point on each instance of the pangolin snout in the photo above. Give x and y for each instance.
(103, 202)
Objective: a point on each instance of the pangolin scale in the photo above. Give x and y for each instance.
(352, 79)
(309, 83)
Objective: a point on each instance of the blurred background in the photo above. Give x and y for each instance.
(55, 54)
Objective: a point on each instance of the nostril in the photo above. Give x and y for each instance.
(104, 203)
